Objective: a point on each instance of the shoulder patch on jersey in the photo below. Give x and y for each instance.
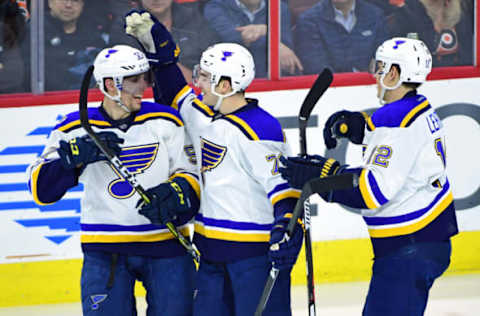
(401, 113)
(257, 124)
(152, 110)
(72, 121)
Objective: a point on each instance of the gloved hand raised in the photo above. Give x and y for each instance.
(81, 151)
(283, 253)
(153, 36)
(344, 124)
(297, 170)
(167, 201)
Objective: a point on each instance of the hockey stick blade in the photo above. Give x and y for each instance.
(116, 164)
(342, 181)
(318, 88)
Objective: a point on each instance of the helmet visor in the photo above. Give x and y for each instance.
(136, 84)
(376, 67)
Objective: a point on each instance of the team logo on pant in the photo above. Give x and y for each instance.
(97, 299)
(135, 159)
(212, 154)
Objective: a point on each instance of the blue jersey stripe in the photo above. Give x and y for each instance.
(377, 221)
(376, 190)
(231, 224)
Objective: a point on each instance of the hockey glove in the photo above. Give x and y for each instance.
(80, 151)
(284, 251)
(167, 201)
(153, 36)
(344, 124)
(297, 170)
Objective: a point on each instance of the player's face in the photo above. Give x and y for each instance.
(133, 88)
(377, 69)
(157, 7)
(201, 79)
(66, 10)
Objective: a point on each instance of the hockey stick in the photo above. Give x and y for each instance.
(318, 88)
(318, 185)
(117, 165)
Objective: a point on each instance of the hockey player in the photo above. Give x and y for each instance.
(120, 245)
(404, 194)
(246, 205)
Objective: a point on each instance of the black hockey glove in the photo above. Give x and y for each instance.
(283, 253)
(153, 36)
(344, 124)
(167, 201)
(297, 170)
(80, 151)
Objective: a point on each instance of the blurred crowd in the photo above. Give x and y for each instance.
(339, 34)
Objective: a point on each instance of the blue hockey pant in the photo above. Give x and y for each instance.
(234, 289)
(168, 283)
(401, 280)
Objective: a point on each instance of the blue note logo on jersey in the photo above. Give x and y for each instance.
(135, 159)
(212, 154)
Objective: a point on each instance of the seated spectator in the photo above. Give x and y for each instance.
(12, 27)
(446, 26)
(71, 43)
(186, 24)
(245, 22)
(339, 34)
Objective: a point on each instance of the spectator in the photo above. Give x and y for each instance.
(446, 26)
(186, 24)
(245, 22)
(340, 34)
(71, 43)
(12, 27)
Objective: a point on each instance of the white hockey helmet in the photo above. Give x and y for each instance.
(411, 55)
(118, 62)
(228, 60)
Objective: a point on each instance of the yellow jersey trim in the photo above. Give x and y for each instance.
(179, 95)
(229, 236)
(244, 125)
(367, 198)
(285, 195)
(173, 117)
(408, 229)
(77, 122)
(99, 238)
(34, 186)
(412, 113)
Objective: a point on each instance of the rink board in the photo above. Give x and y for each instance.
(40, 253)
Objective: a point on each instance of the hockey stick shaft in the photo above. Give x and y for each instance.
(117, 165)
(272, 277)
(319, 87)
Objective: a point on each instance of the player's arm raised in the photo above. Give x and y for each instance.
(161, 51)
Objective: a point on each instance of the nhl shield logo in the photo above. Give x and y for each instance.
(212, 154)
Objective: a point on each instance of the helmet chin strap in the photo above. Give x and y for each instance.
(217, 105)
(385, 88)
(116, 98)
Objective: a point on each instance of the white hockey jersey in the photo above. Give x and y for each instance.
(403, 185)
(156, 148)
(242, 190)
